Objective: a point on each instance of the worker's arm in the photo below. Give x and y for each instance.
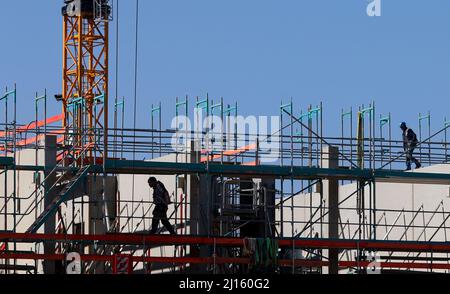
(411, 136)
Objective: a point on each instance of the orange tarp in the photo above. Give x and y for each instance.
(229, 152)
(40, 123)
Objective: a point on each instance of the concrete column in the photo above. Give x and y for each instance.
(268, 185)
(199, 198)
(49, 226)
(330, 159)
(194, 193)
(96, 192)
(263, 223)
(200, 217)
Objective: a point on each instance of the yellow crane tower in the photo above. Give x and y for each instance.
(85, 73)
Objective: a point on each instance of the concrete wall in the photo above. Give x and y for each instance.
(24, 189)
(391, 199)
(87, 214)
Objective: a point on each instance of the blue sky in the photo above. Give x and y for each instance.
(254, 51)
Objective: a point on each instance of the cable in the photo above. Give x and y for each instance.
(117, 74)
(135, 93)
(136, 71)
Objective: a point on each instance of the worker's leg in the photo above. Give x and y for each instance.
(168, 226)
(166, 222)
(155, 223)
(158, 214)
(408, 159)
(413, 159)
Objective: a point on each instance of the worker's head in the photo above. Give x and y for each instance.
(152, 182)
(403, 126)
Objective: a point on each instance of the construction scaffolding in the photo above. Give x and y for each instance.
(238, 198)
(280, 198)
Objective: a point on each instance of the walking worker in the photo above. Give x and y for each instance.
(161, 200)
(409, 144)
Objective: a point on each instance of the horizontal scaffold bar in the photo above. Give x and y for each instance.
(296, 172)
(228, 260)
(163, 240)
(300, 172)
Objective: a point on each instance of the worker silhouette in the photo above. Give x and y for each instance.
(409, 144)
(161, 200)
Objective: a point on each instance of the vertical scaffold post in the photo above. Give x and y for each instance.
(183, 196)
(200, 106)
(370, 111)
(292, 165)
(386, 121)
(37, 99)
(10, 148)
(427, 118)
(344, 141)
(4, 98)
(218, 106)
(14, 94)
(181, 105)
(231, 135)
(314, 161)
(360, 184)
(446, 126)
(283, 108)
(118, 104)
(37, 134)
(156, 109)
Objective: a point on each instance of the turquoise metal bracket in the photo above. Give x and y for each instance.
(216, 106)
(156, 109)
(7, 94)
(231, 109)
(180, 104)
(202, 104)
(119, 104)
(309, 115)
(384, 120)
(369, 110)
(424, 117)
(348, 113)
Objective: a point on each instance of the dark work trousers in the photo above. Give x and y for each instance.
(160, 214)
(409, 150)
